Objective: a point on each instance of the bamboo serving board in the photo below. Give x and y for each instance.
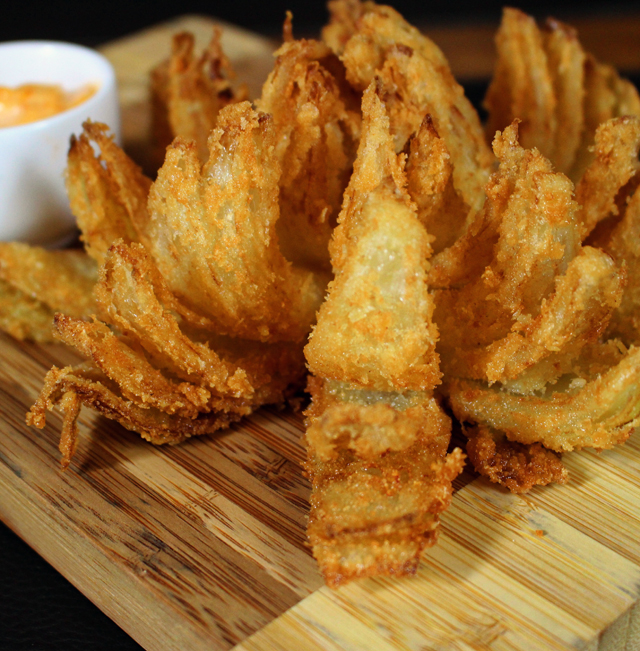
(202, 545)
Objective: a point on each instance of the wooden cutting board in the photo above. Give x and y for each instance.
(202, 546)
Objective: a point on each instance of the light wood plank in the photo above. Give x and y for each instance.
(201, 534)
(504, 575)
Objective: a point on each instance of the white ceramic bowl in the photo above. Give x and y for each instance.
(33, 201)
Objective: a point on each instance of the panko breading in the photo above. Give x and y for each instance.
(515, 340)
(597, 412)
(204, 217)
(560, 93)
(36, 283)
(73, 387)
(377, 438)
(317, 136)
(415, 80)
(130, 292)
(522, 85)
(188, 92)
(23, 317)
(536, 297)
(614, 164)
(523, 318)
(517, 466)
(375, 517)
(375, 327)
(430, 186)
(108, 193)
(623, 244)
(202, 316)
(508, 281)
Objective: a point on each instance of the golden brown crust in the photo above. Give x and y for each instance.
(202, 316)
(35, 283)
(188, 92)
(374, 328)
(107, 193)
(23, 317)
(560, 93)
(203, 217)
(522, 87)
(614, 163)
(315, 146)
(430, 186)
(596, 410)
(514, 465)
(376, 516)
(73, 387)
(415, 80)
(376, 437)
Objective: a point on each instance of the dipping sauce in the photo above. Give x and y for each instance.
(33, 102)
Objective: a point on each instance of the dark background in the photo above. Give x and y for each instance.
(39, 610)
(92, 23)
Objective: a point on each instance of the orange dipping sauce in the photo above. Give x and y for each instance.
(33, 102)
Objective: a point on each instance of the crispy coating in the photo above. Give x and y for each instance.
(84, 385)
(127, 295)
(560, 93)
(415, 80)
(188, 92)
(59, 279)
(529, 356)
(204, 217)
(607, 96)
(342, 23)
(430, 185)
(466, 258)
(23, 317)
(210, 278)
(375, 327)
(527, 314)
(566, 61)
(315, 146)
(122, 384)
(107, 193)
(524, 178)
(514, 465)
(522, 321)
(376, 437)
(576, 314)
(372, 517)
(137, 379)
(202, 317)
(346, 417)
(623, 244)
(522, 85)
(35, 283)
(615, 162)
(108, 196)
(523, 331)
(581, 412)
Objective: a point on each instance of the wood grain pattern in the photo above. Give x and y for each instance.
(202, 546)
(505, 574)
(185, 547)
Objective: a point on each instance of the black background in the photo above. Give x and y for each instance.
(92, 22)
(39, 610)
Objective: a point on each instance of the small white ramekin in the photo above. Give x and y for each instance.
(33, 201)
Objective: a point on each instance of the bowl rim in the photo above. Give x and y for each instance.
(107, 85)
